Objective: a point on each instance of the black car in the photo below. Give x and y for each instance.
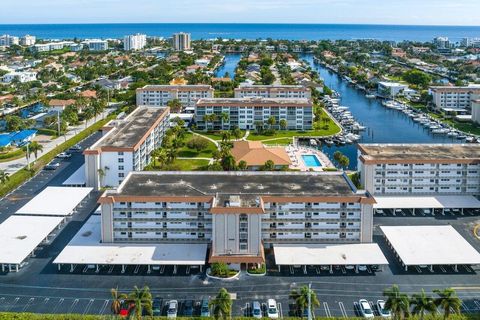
(157, 307)
(188, 308)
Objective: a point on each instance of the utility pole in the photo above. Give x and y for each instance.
(28, 156)
(310, 301)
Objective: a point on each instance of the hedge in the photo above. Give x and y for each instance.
(18, 153)
(24, 174)
(47, 132)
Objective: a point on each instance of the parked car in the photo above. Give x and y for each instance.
(156, 307)
(64, 155)
(205, 308)
(256, 310)
(75, 148)
(188, 308)
(125, 309)
(272, 311)
(52, 166)
(365, 309)
(172, 309)
(349, 267)
(381, 309)
(362, 268)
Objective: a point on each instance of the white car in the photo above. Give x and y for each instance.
(172, 309)
(381, 309)
(365, 309)
(272, 311)
(64, 155)
(362, 268)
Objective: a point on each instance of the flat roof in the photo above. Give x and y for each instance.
(420, 152)
(129, 131)
(20, 235)
(182, 87)
(426, 202)
(430, 245)
(77, 178)
(86, 248)
(55, 201)
(329, 254)
(255, 101)
(270, 87)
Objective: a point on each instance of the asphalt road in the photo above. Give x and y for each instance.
(40, 287)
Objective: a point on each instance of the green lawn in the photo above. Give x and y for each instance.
(281, 141)
(468, 127)
(332, 129)
(182, 165)
(186, 152)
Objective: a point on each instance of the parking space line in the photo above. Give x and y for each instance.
(74, 304)
(280, 311)
(104, 306)
(247, 312)
(28, 304)
(372, 306)
(45, 301)
(292, 271)
(187, 271)
(89, 305)
(465, 308)
(162, 269)
(418, 269)
(13, 304)
(317, 270)
(369, 270)
(137, 268)
(342, 309)
(443, 269)
(110, 270)
(59, 303)
(344, 271)
(327, 310)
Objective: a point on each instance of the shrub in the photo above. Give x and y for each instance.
(197, 143)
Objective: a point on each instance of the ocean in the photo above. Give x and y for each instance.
(245, 31)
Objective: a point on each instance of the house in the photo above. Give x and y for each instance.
(255, 154)
(89, 94)
(60, 105)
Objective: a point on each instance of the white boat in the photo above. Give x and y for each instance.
(313, 142)
(370, 96)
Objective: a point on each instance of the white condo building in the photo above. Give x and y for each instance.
(160, 95)
(95, 44)
(22, 77)
(125, 146)
(8, 40)
(134, 42)
(455, 98)
(273, 91)
(181, 41)
(28, 40)
(244, 113)
(45, 47)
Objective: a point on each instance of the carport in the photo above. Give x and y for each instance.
(55, 201)
(329, 255)
(430, 246)
(86, 248)
(426, 202)
(21, 235)
(77, 179)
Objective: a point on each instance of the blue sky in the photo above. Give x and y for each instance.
(422, 12)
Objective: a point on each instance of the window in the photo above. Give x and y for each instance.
(120, 153)
(121, 175)
(120, 160)
(243, 232)
(121, 168)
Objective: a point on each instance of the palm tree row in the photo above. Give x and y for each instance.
(171, 144)
(420, 304)
(138, 301)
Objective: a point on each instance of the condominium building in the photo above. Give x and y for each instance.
(7, 40)
(237, 213)
(420, 169)
(471, 42)
(45, 47)
(442, 42)
(455, 98)
(160, 95)
(181, 41)
(96, 44)
(134, 42)
(24, 76)
(125, 146)
(28, 40)
(476, 111)
(245, 113)
(273, 91)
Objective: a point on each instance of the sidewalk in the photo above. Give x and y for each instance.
(15, 165)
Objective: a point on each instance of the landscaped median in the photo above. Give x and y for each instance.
(24, 174)
(221, 271)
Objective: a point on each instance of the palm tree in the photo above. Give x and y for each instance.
(271, 121)
(222, 304)
(28, 152)
(102, 173)
(283, 124)
(397, 302)
(226, 135)
(301, 299)
(242, 165)
(175, 105)
(142, 299)
(4, 176)
(35, 147)
(117, 300)
(448, 301)
(423, 304)
(224, 117)
(171, 154)
(88, 113)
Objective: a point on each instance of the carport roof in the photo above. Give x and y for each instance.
(55, 201)
(426, 202)
(329, 254)
(77, 178)
(86, 248)
(430, 245)
(20, 235)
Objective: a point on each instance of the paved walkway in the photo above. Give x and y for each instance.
(15, 165)
(210, 160)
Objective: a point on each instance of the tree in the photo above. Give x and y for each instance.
(117, 300)
(222, 305)
(197, 143)
(283, 124)
(344, 162)
(28, 153)
(423, 304)
(269, 165)
(397, 302)
(237, 133)
(102, 173)
(171, 154)
(271, 121)
(175, 105)
(337, 155)
(258, 126)
(4, 176)
(224, 117)
(417, 77)
(301, 299)
(142, 300)
(226, 135)
(448, 301)
(242, 165)
(35, 147)
(219, 269)
(158, 155)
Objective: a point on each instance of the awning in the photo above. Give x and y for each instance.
(329, 254)
(426, 202)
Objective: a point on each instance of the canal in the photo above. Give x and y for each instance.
(383, 125)
(231, 61)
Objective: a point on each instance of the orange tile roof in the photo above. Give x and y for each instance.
(254, 153)
(89, 94)
(57, 102)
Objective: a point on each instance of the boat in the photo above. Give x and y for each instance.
(329, 142)
(313, 142)
(370, 96)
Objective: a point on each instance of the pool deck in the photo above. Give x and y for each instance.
(296, 154)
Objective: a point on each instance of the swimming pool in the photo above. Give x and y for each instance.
(311, 160)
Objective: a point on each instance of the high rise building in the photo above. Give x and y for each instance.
(134, 42)
(28, 40)
(7, 40)
(181, 41)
